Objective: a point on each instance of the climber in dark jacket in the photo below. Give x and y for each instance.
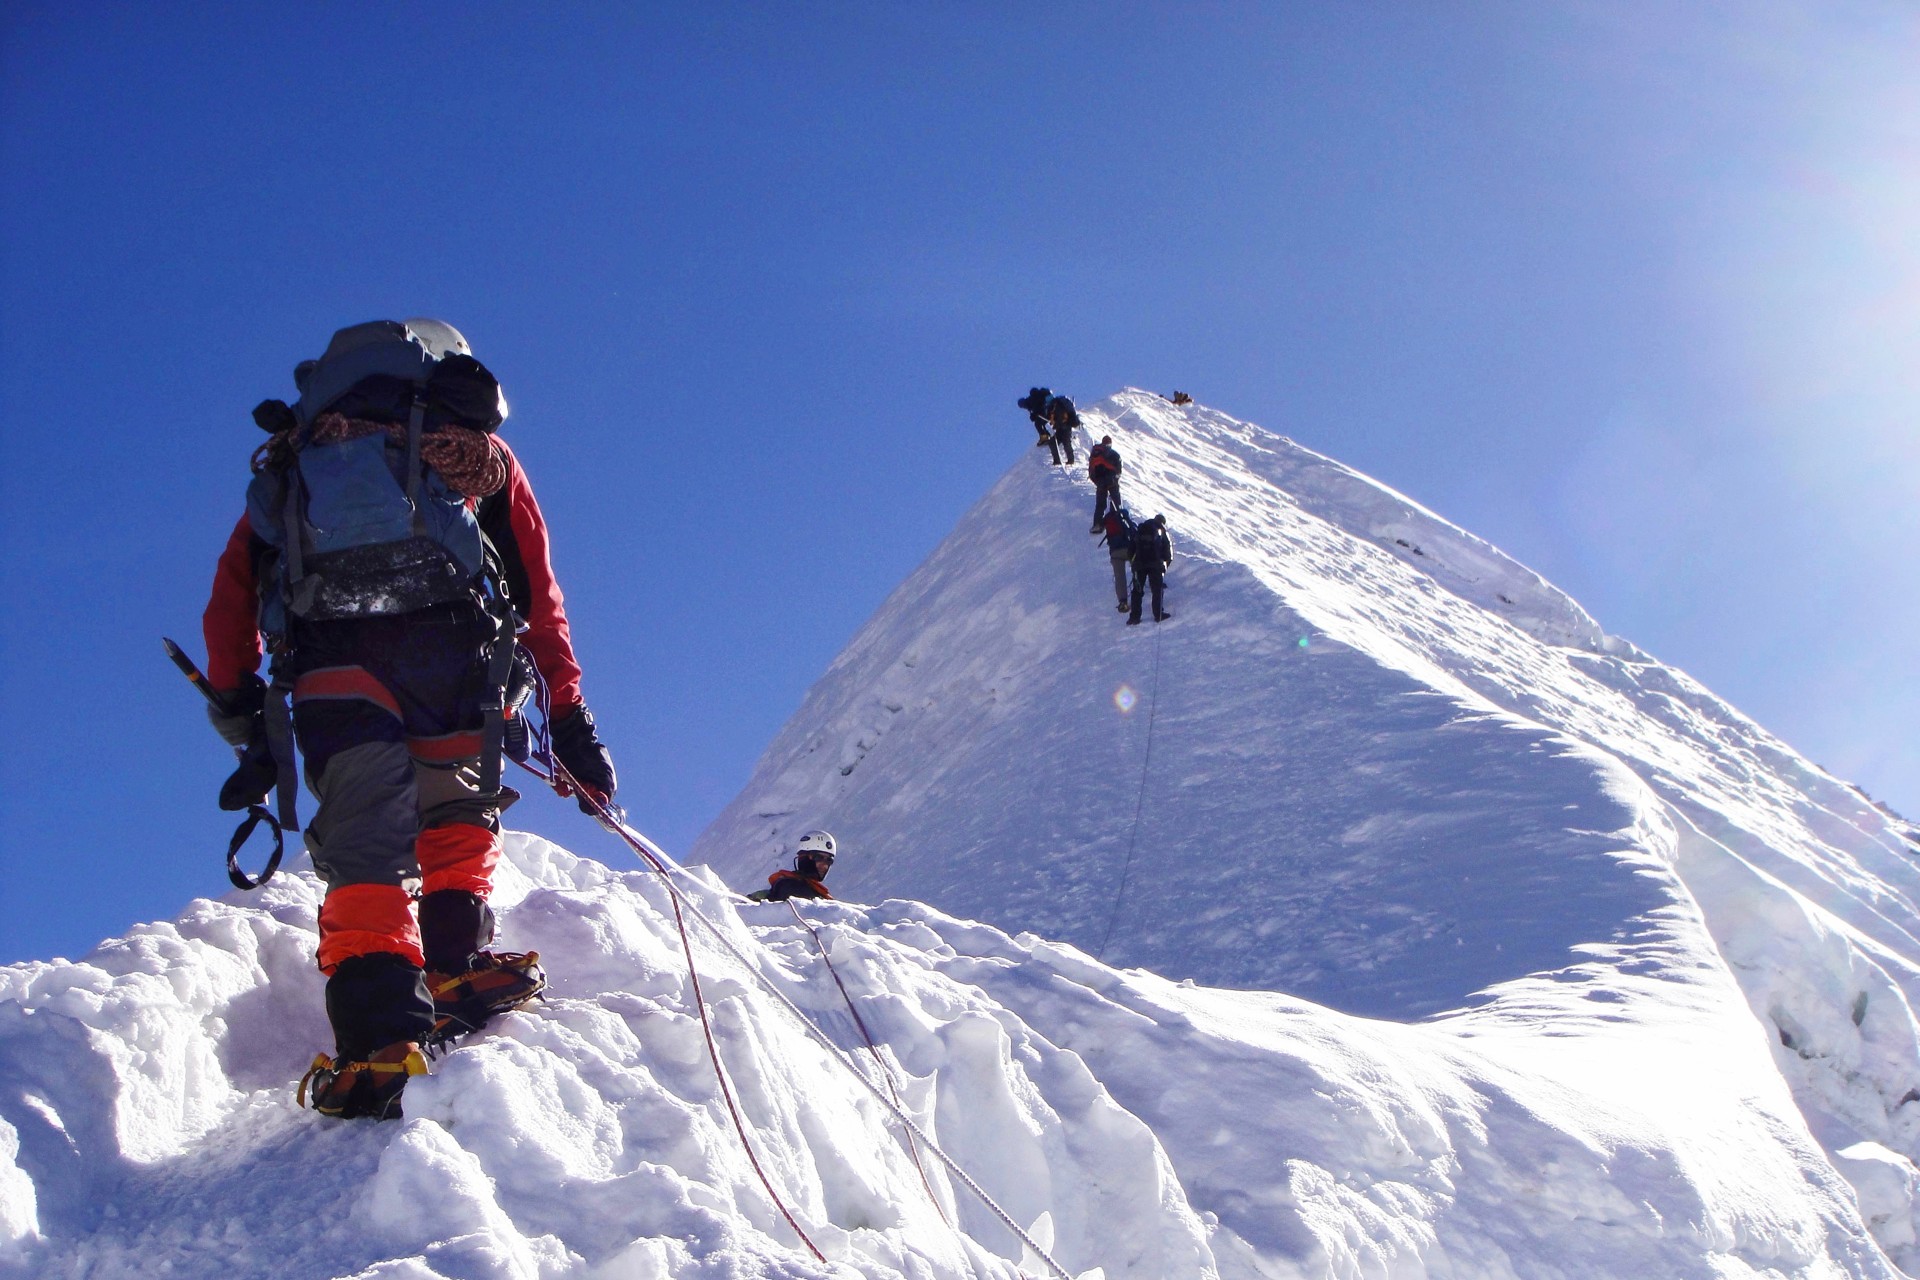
(1152, 553)
(1061, 413)
(811, 862)
(1035, 403)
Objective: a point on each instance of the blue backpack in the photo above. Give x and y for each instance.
(363, 527)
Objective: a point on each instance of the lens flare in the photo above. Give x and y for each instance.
(1125, 698)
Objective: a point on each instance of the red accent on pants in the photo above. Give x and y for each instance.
(366, 919)
(458, 855)
(345, 682)
(448, 747)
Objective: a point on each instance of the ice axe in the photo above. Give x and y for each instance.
(250, 781)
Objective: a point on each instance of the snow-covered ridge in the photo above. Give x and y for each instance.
(1372, 761)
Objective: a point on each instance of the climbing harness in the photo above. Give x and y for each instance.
(1139, 801)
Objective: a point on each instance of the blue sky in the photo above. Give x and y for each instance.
(1635, 294)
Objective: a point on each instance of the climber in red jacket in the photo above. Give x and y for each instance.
(385, 622)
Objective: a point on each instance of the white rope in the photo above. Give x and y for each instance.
(842, 1056)
(1139, 800)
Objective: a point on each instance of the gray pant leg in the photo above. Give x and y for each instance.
(451, 792)
(369, 814)
(1119, 560)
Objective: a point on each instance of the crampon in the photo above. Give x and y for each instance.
(498, 982)
(350, 1090)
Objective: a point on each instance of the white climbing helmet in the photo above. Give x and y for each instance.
(438, 337)
(816, 844)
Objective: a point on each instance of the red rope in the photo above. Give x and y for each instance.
(913, 1148)
(610, 818)
(608, 821)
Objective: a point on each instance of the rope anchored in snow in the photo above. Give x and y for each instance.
(609, 817)
(658, 860)
(1139, 801)
(872, 1048)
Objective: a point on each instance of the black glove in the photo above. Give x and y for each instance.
(254, 776)
(239, 712)
(578, 747)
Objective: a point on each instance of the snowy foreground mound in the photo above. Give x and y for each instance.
(1145, 1128)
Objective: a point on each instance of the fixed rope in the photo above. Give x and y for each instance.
(658, 860)
(1140, 798)
(913, 1148)
(608, 818)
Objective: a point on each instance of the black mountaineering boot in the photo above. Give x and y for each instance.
(455, 926)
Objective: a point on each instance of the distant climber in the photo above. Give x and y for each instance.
(811, 862)
(1152, 553)
(1103, 468)
(1119, 540)
(1065, 419)
(1180, 397)
(1035, 403)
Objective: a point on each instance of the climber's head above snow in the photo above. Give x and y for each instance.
(814, 857)
(1106, 439)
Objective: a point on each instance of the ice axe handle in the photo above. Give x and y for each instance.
(192, 673)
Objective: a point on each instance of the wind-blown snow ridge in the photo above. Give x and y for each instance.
(1391, 769)
(1624, 984)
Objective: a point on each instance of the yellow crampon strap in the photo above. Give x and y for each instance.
(517, 961)
(414, 1064)
(321, 1062)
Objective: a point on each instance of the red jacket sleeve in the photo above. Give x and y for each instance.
(548, 637)
(231, 623)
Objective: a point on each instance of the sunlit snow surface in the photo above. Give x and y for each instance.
(1519, 955)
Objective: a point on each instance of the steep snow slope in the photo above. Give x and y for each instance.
(1623, 983)
(1372, 762)
(1144, 1128)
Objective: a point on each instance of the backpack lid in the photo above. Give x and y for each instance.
(356, 353)
(424, 352)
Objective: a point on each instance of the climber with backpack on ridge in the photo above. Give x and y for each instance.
(1118, 536)
(1103, 468)
(1065, 419)
(1035, 403)
(390, 550)
(1152, 554)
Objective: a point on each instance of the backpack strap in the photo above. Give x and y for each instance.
(493, 712)
(415, 420)
(279, 722)
(300, 590)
